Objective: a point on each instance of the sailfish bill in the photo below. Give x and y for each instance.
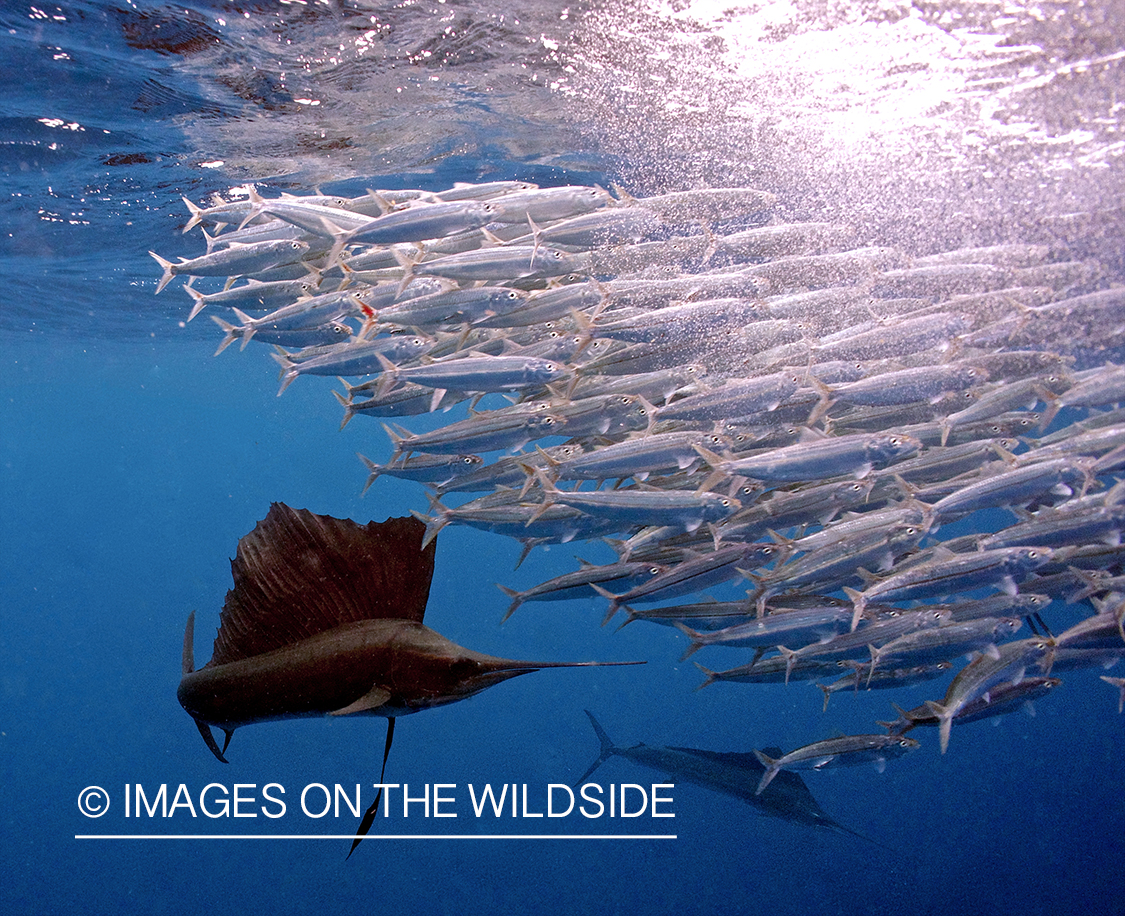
(325, 618)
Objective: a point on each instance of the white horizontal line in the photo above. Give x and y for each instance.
(373, 836)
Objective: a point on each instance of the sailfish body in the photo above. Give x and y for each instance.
(325, 618)
(377, 667)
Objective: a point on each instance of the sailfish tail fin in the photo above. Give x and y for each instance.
(188, 666)
(608, 749)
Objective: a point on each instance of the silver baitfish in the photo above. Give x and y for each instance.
(749, 399)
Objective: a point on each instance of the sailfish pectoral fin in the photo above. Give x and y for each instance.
(369, 814)
(373, 699)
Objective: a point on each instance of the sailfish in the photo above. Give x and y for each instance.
(730, 772)
(325, 618)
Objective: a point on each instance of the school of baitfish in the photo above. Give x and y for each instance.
(723, 397)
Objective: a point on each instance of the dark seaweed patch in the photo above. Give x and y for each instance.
(167, 31)
(126, 159)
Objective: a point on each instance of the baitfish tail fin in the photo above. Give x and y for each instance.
(712, 676)
(859, 604)
(289, 370)
(374, 470)
(169, 270)
(433, 524)
(517, 600)
(247, 327)
(694, 635)
(229, 329)
(349, 411)
(945, 721)
(772, 769)
(608, 749)
(827, 696)
(1118, 682)
(196, 215)
(613, 605)
(199, 300)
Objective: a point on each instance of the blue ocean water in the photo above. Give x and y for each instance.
(132, 461)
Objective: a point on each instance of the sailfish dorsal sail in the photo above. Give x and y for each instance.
(298, 574)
